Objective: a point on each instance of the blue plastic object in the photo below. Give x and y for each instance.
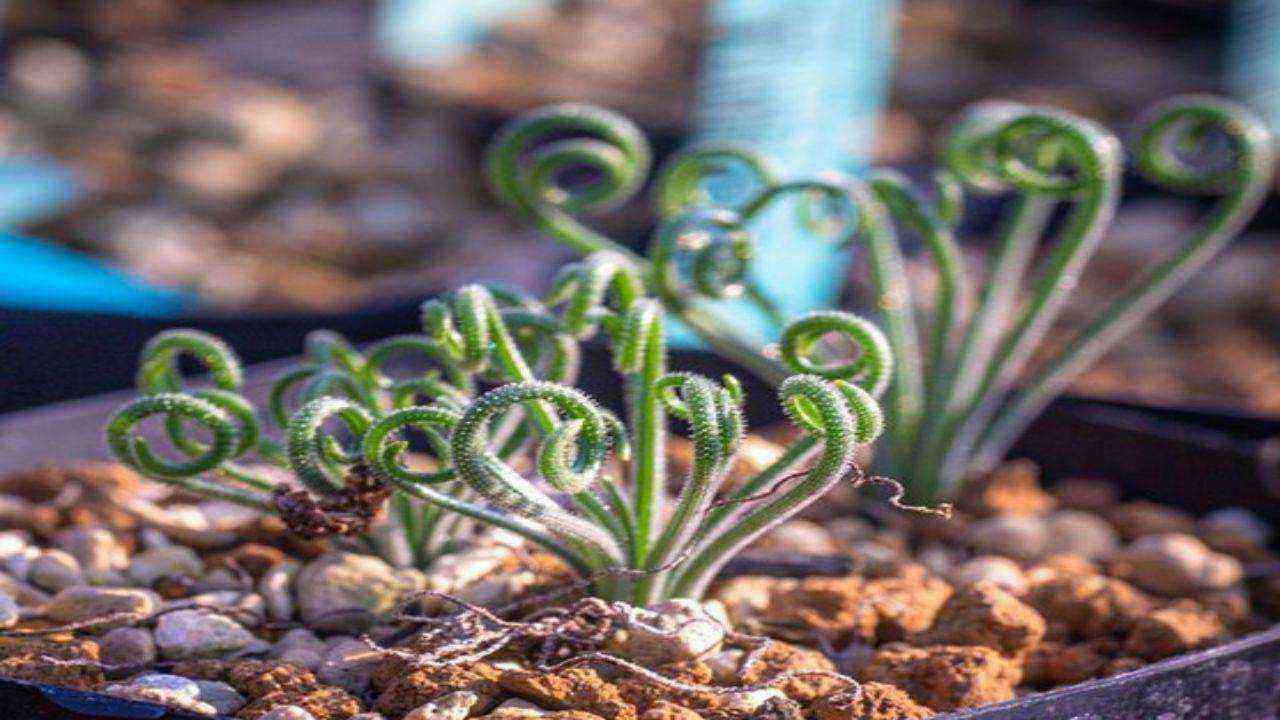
(433, 31)
(39, 275)
(802, 81)
(1253, 63)
(33, 188)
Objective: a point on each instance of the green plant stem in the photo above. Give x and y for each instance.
(959, 386)
(649, 432)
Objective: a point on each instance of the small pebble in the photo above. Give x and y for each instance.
(171, 561)
(1176, 565)
(187, 634)
(287, 712)
(454, 706)
(127, 646)
(54, 570)
(672, 631)
(1081, 533)
(345, 592)
(84, 602)
(275, 588)
(220, 695)
(349, 664)
(300, 647)
(1234, 529)
(100, 554)
(8, 611)
(18, 564)
(11, 542)
(1014, 536)
(25, 594)
(1001, 571)
(169, 690)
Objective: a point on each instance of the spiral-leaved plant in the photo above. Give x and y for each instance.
(960, 394)
(346, 419)
(509, 442)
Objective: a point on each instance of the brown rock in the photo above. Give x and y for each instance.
(984, 614)
(403, 691)
(1179, 628)
(1139, 518)
(1233, 608)
(877, 701)
(328, 703)
(1052, 566)
(1053, 663)
(1012, 489)
(945, 677)
(779, 658)
(1087, 607)
(905, 605)
(259, 678)
(833, 608)
(646, 695)
(203, 669)
(569, 689)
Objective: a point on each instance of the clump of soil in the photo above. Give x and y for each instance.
(111, 584)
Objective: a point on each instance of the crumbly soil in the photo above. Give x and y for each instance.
(1027, 588)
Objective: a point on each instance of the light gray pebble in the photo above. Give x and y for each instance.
(220, 695)
(100, 554)
(187, 634)
(12, 541)
(55, 570)
(18, 564)
(275, 590)
(84, 602)
(176, 684)
(346, 592)
(170, 690)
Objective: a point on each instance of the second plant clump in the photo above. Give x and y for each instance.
(582, 509)
(535, 456)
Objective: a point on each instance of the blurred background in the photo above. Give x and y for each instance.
(263, 167)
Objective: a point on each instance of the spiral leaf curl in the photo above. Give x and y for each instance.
(158, 364)
(384, 454)
(529, 158)
(318, 459)
(136, 452)
(871, 367)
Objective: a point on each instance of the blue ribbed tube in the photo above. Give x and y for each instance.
(1253, 62)
(802, 81)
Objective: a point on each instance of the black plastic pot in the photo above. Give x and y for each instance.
(1196, 460)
